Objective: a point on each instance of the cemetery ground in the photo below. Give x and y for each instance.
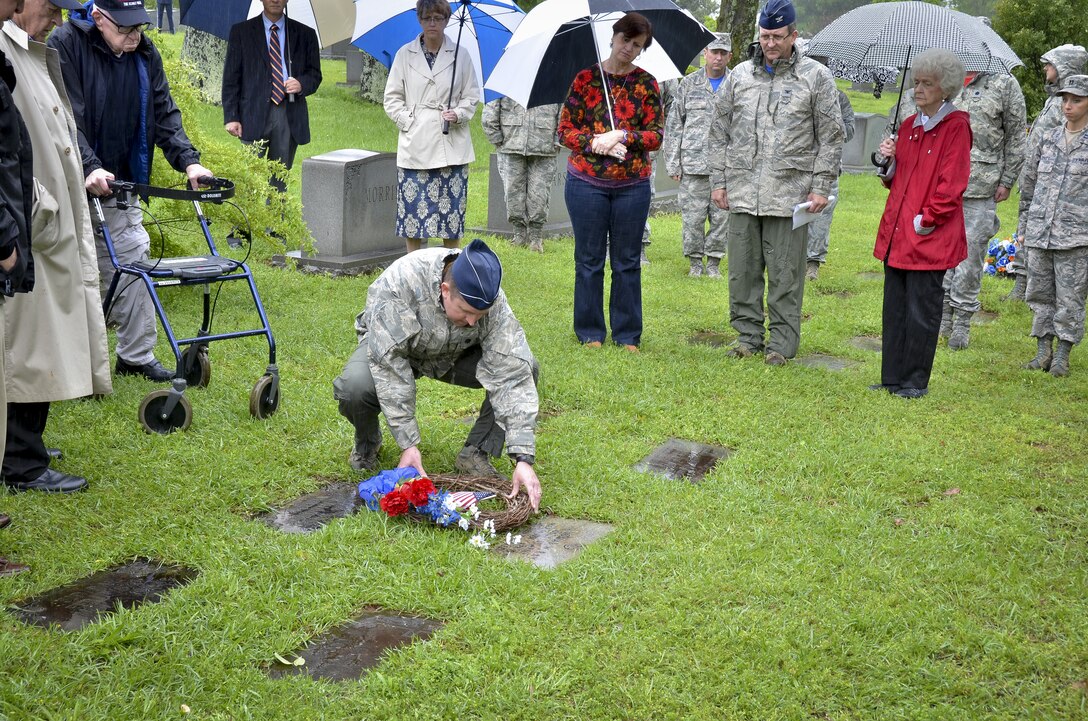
(856, 556)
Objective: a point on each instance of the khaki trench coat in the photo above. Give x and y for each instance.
(55, 345)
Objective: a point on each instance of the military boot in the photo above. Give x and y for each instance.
(521, 236)
(475, 462)
(1060, 365)
(696, 269)
(1043, 356)
(363, 460)
(712, 269)
(1019, 288)
(812, 270)
(946, 320)
(536, 240)
(961, 330)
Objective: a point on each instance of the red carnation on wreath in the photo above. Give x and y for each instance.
(394, 503)
(418, 491)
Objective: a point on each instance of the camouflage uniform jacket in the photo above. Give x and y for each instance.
(513, 129)
(1067, 60)
(687, 125)
(998, 121)
(776, 137)
(1054, 193)
(409, 336)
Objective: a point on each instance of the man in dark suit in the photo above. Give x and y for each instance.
(272, 64)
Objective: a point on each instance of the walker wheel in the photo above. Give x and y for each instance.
(261, 401)
(197, 366)
(151, 413)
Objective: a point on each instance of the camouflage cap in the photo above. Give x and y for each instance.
(721, 41)
(1075, 85)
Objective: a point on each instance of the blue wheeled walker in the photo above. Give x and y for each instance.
(168, 410)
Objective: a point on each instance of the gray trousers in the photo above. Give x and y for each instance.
(962, 283)
(527, 187)
(758, 244)
(357, 395)
(1057, 289)
(276, 142)
(819, 231)
(695, 210)
(132, 311)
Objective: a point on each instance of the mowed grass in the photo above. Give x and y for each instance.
(857, 557)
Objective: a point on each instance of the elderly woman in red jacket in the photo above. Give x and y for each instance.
(922, 234)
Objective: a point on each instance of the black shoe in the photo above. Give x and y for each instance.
(911, 392)
(55, 454)
(50, 482)
(153, 371)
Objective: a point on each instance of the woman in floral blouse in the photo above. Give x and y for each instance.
(608, 182)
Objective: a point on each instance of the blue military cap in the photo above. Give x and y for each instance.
(477, 274)
(777, 14)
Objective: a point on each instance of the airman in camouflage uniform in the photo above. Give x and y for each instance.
(525, 141)
(819, 230)
(418, 323)
(1059, 64)
(777, 141)
(1054, 203)
(998, 121)
(686, 154)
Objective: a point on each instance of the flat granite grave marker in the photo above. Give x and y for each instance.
(551, 540)
(84, 601)
(677, 460)
(826, 362)
(710, 338)
(867, 342)
(347, 652)
(983, 317)
(310, 512)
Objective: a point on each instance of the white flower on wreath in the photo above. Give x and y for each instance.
(479, 541)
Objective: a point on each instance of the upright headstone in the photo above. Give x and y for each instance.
(355, 62)
(336, 51)
(869, 129)
(349, 200)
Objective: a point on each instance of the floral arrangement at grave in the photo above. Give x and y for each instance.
(405, 492)
(1000, 254)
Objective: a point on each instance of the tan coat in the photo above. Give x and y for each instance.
(415, 96)
(55, 346)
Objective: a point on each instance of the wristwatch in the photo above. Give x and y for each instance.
(523, 458)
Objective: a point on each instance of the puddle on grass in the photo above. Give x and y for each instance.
(710, 338)
(983, 317)
(826, 362)
(871, 275)
(308, 513)
(678, 459)
(348, 651)
(867, 342)
(84, 601)
(552, 540)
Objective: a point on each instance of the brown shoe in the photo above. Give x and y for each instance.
(11, 568)
(774, 358)
(739, 350)
(5, 520)
(474, 462)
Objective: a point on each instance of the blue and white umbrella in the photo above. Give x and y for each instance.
(481, 27)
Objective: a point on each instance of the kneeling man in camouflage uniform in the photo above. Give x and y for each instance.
(440, 313)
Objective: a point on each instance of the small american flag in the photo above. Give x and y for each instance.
(463, 499)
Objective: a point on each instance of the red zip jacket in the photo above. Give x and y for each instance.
(931, 172)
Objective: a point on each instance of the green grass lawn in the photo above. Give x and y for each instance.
(857, 557)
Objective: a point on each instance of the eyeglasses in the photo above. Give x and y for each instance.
(772, 39)
(126, 29)
(433, 20)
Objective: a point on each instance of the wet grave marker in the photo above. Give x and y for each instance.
(710, 338)
(677, 459)
(552, 540)
(867, 342)
(348, 651)
(84, 601)
(983, 317)
(826, 362)
(310, 512)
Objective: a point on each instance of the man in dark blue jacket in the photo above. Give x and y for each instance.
(123, 108)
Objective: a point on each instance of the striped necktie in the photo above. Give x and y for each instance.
(275, 61)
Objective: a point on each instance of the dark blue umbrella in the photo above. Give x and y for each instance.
(214, 16)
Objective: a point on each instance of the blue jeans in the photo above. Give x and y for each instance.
(607, 221)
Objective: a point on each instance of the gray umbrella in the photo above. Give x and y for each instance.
(889, 34)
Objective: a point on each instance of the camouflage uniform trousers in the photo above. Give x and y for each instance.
(819, 231)
(527, 185)
(695, 210)
(758, 244)
(962, 283)
(1057, 288)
